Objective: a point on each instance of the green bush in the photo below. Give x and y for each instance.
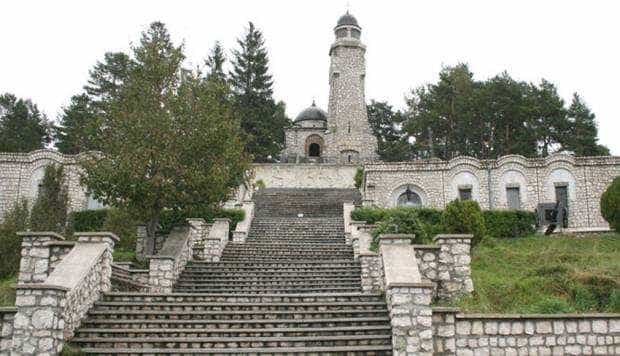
(124, 226)
(15, 220)
(464, 217)
(88, 220)
(49, 211)
(610, 204)
(358, 178)
(401, 221)
(509, 223)
(171, 218)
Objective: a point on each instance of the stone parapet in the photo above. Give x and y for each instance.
(243, 227)
(198, 230)
(409, 305)
(169, 263)
(371, 272)
(217, 239)
(453, 266)
(34, 266)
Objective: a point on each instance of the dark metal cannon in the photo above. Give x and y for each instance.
(552, 215)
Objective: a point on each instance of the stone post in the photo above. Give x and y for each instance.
(141, 237)
(38, 327)
(453, 268)
(408, 298)
(217, 239)
(108, 238)
(243, 227)
(370, 261)
(198, 231)
(353, 235)
(347, 209)
(444, 330)
(35, 262)
(161, 275)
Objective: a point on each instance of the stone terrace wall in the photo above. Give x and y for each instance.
(288, 175)
(518, 334)
(437, 182)
(6, 329)
(20, 174)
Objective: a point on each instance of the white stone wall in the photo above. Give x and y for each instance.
(437, 182)
(20, 174)
(285, 175)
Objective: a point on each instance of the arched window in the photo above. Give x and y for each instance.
(314, 150)
(409, 198)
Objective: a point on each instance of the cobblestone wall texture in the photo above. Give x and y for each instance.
(437, 182)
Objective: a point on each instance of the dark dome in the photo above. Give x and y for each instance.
(347, 20)
(312, 113)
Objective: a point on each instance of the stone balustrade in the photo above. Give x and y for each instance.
(217, 239)
(243, 227)
(167, 265)
(49, 311)
(34, 265)
(199, 230)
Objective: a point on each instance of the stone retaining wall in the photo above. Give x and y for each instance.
(522, 334)
(7, 315)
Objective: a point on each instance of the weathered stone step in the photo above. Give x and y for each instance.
(184, 280)
(247, 297)
(253, 332)
(236, 315)
(234, 342)
(269, 290)
(369, 350)
(234, 324)
(230, 306)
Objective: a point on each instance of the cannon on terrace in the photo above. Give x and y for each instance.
(551, 215)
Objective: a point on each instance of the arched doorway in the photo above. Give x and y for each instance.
(314, 146)
(314, 150)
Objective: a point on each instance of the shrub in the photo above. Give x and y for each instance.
(610, 204)
(401, 221)
(369, 215)
(509, 223)
(464, 217)
(358, 178)
(49, 212)
(124, 226)
(88, 220)
(171, 218)
(16, 219)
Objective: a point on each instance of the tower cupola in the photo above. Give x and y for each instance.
(348, 28)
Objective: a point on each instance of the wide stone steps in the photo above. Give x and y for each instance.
(268, 280)
(248, 332)
(320, 350)
(285, 289)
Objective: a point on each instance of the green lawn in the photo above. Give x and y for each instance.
(7, 292)
(540, 274)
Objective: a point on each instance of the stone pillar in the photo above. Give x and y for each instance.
(198, 231)
(347, 209)
(217, 239)
(38, 327)
(35, 262)
(354, 231)
(371, 272)
(161, 274)
(409, 305)
(141, 237)
(444, 330)
(110, 239)
(453, 268)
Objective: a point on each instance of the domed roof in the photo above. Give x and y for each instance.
(312, 113)
(347, 20)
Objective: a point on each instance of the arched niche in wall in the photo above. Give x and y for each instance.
(408, 195)
(513, 189)
(558, 180)
(314, 146)
(464, 182)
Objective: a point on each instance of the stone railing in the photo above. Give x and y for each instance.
(126, 278)
(217, 239)
(523, 334)
(243, 227)
(7, 315)
(167, 265)
(48, 311)
(198, 232)
(347, 209)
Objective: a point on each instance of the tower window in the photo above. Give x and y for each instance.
(314, 150)
(341, 33)
(349, 127)
(355, 33)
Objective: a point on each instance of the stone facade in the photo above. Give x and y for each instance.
(497, 334)
(288, 175)
(21, 174)
(438, 182)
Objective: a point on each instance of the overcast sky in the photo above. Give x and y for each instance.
(47, 47)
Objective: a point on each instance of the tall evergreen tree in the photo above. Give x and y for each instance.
(546, 109)
(108, 76)
(583, 133)
(215, 63)
(23, 127)
(262, 119)
(49, 212)
(169, 143)
(386, 124)
(79, 126)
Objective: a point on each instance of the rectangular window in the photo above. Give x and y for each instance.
(513, 197)
(465, 193)
(561, 194)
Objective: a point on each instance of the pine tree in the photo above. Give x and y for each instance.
(78, 126)
(583, 133)
(215, 63)
(386, 125)
(546, 108)
(262, 119)
(108, 76)
(49, 212)
(23, 128)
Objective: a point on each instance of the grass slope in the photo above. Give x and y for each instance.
(539, 274)
(7, 292)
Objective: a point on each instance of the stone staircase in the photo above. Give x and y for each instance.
(292, 288)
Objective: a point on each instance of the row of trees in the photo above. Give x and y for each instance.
(247, 87)
(499, 116)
